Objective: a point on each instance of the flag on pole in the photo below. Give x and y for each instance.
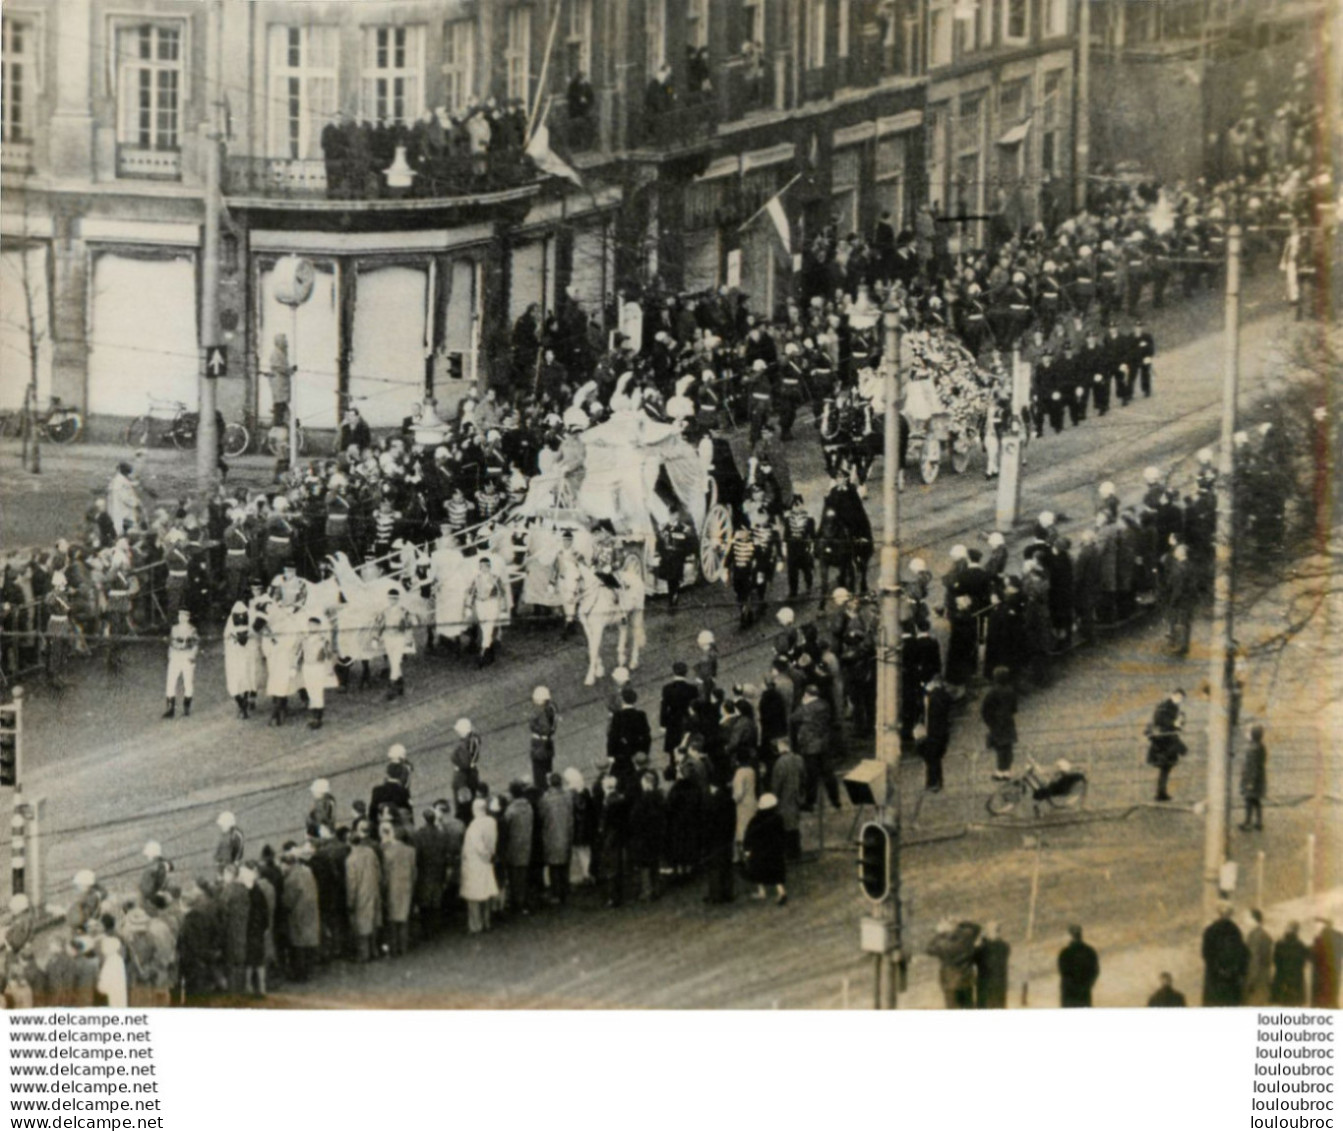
(780, 218)
(547, 160)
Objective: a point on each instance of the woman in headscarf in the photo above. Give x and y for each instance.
(766, 847)
(585, 828)
(478, 850)
(239, 665)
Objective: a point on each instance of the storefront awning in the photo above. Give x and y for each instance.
(1016, 134)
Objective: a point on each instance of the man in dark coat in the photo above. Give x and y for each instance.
(954, 946)
(1166, 996)
(647, 831)
(991, 959)
(1226, 959)
(628, 736)
(1326, 955)
(674, 714)
(999, 711)
(932, 748)
(720, 832)
(1165, 747)
(199, 948)
(1290, 958)
(811, 726)
(1254, 780)
(431, 872)
(1079, 968)
(765, 844)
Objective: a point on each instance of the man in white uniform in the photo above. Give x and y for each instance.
(184, 645)
(487, 600)
(393, 629)
(315, 665)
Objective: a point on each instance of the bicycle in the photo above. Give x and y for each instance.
(58, 423)
(181, 426)
(1065, 789)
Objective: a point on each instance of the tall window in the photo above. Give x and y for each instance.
(939, 33)
(303, 91)
(655, 36)
(753, 21)
(518, 54)
(1051, 113)
(937, 156)
(889, 175)
(817, 11)
(393, 66)
(18, 79)
(578, 37)
(1013, 106)
(843, 21)
(1056, 17)
(697, 23)
(149, 87)
(459, 63)
(1016, 20)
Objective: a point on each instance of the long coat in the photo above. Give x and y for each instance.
(786, 782)
(999, 712)
(431, 866)
(685, 818)
(519, 819)
(1254, 773)
(363, 889)
(1259, 973)
(766, 845)
(743, 795)
(1290, 958)
(398, 877)
(1226, 959)
(556, 811)
(647, 828)
(1079, 968)
(235, 904)
(478, 848)
(301, 913)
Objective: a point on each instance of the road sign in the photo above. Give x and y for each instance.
(216, 361)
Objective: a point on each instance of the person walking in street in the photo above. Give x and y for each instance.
(766, 850)
(954, 947)
(787, 782)
(398, 887)
(1166, 996)
(1326, 958)
(1226, 960)
(812, 735)
(1254, 780)
(999, 712)
(544, 722)
(465, 762)
(479, 886)
(184, 645)
(1165, 747)
(1259, 971)
(932, 747)
(1291, 957)
(1079, 969)
(992, 956)
(392, 629)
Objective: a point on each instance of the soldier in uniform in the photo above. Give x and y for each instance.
(184, 644)
(237, 554)
(278, 549)
(1095, 370)
(760, 394)
(1135, 266)
(177, 560)
(1109, 289)
(393, 629)
(315, 665)
(1052, 391)
(974, 320)
(59, 630)
(1048, 297)
(1075, 384)
(488, 601)
(1083, 281)
(799, 542)
(743, 563)
(792, 389)
(1144, 350)
(564, 575)
(677, 544)
(1116, 353)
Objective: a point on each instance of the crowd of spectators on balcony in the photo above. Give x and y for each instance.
(482, 147)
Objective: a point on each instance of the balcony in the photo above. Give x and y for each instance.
(746, 86)
(678, 129)
(457, 175)
(16, 157)
(574, 135)
(136, 163)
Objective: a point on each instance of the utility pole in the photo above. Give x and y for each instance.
(207, 434)
(1082, 107)
(1220, 674)
(888, 665)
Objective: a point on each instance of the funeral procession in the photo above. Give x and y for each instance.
(688, 504)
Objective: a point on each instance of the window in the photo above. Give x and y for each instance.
(1056, 17)
(890, 177)
(1016, 20)
(518, 55)
(970, 124)
(697, 23)
(753, 20)
(303, 92)
(1013, 106)
(939, 33)
(393, 65)
(655, 36)
(842, 36)
(18, 79)
(937, 157)
(459, 63)
(578, 38)
(149, 86)
(1051, 113)
(815, 46)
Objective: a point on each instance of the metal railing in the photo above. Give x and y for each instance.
(149, 164)
(450, 175)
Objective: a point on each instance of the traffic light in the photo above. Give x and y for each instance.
(874, 861)
(9, 757)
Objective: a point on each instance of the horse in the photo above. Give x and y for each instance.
(600, 606)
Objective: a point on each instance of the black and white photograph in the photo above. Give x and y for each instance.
(682, 505)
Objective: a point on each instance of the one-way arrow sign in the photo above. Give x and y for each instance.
(216, 361)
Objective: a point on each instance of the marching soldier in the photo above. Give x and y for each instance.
(315, 665)
(184, 644)
(59, 629)
(1144, 350)
(760, 394)
(237, 556)
(1050, 384)
(743, 561)
(177, 560)
(487, 600)
(339, 537)
(1109, 289)
(1135, 264)
(1115, 354)
(393, 629)
(1077, 390)
(564, 574)
(1048, 297)
(799, 543)
(278, 549)
(1096, 373)
(1083, 280)
(239, 665)
(792, 386)
(678, 543)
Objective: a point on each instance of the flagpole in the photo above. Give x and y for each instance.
(746, 224)
(545, 68)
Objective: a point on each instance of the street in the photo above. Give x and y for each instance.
(114, 774)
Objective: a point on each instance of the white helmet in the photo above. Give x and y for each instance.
(959, 553)
(840, 596)
(996, 539)
(153, 850)
(1046, 518)
(320, 788)
(541, 695)
(1205, 455)
(396, 753)
(785, 616)
(1151, 475)
(918, 565)
(226, 821)
(1107, 489)
(705, 638)
(620, 676)
(462, 727)
(84, 879)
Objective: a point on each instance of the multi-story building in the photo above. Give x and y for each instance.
(698, 112)
(1000, 110)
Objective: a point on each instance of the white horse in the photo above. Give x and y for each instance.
(600, 607)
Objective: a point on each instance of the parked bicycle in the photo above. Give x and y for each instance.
(1063, 789)
(170, 420)
(58, 423)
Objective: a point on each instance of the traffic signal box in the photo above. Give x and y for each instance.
(875, 861)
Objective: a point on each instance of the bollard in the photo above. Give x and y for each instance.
(17, 846)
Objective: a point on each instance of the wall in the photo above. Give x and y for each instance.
(1149, 112)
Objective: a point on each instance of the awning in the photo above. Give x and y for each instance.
(1016, 134)
(762, 158)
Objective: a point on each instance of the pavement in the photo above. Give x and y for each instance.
(114, 775)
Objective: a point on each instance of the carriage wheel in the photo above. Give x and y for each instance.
(960, 454)
(713, 542)
(930, 462)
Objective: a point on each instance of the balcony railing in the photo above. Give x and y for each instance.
(576, 135)
(149, 164)
(16, 156)
(681, 127)
(284, 178)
